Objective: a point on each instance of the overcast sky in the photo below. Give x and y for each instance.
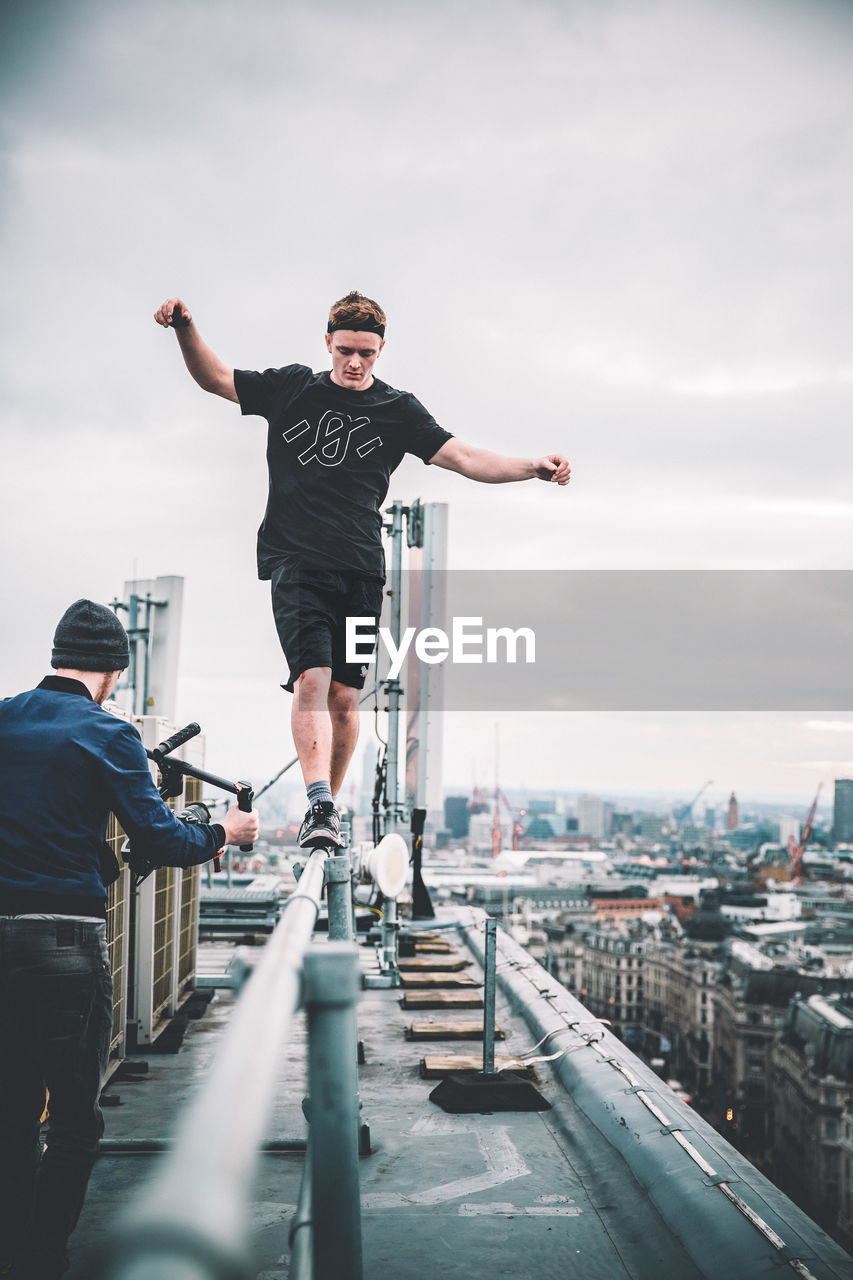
(616, 228)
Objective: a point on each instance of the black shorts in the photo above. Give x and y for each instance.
(310, 607)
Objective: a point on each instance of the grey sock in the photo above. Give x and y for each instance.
(319, 791)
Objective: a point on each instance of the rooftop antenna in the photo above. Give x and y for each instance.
(153, 607)
(496, 817)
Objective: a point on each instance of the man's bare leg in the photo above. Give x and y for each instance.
(324, 722)
(311, 724)
(343, 712)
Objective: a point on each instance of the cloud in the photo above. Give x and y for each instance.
(836, 768)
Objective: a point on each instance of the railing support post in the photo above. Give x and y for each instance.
(339, 897)
(331, 989)
(489, 958)
(390, 934)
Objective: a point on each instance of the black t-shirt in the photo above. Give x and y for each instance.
(331, 452)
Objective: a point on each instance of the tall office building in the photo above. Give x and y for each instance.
(457, 816)
(842, 811)
(733, 820)
(591, 816)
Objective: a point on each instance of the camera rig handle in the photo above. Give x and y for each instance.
(178, 739)
(173, 771)
(244, 802)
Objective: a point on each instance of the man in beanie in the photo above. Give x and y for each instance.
(66, 763)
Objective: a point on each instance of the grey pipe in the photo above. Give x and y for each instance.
(196, 1210)
(156, 1146)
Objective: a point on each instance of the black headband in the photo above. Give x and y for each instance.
(359, 326)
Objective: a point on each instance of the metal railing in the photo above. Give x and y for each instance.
(192, 1222)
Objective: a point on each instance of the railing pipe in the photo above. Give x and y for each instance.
(195, 1214)
(332, 985)
(177, 1269)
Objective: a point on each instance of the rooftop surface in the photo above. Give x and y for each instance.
(595, 1187)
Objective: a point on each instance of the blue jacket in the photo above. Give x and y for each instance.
(65, 764)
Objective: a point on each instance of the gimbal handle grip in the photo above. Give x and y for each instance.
(177, 740)
(245, 796)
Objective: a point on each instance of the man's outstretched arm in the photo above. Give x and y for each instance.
(204, 365)
(494, 468)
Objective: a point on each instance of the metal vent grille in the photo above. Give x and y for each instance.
(118, 937)
(190, 883)
(164, 937)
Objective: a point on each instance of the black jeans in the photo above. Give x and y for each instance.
(56, 1006)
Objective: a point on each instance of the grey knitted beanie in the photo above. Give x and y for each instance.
(90, 637)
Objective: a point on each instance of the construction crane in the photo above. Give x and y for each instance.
(682, 813)
(517, 827)
(496, 824)
(795, 850)
(478, 800)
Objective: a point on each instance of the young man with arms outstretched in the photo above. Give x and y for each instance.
(334, 439)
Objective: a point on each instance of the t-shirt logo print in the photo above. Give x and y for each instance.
(336, 430)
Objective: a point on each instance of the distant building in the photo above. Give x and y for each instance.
(613, 981)
(621, 824)
(750, 1010)
(563, 952)
(624, 908)
(812, 1086)
(711, 818)
(651, 828)
(748, 1020)
(679, 978)
(457, 816)
(789, 829)
(845, 1208)
(541, 806)
(842, 811)
(733, 819)
(540, 827)
(591, 813)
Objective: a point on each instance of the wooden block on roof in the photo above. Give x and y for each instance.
(442, 1000)
(438, 980)
(436, 1065)
(433, 963)
(449, 1031)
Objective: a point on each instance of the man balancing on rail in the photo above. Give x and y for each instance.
(334, 439)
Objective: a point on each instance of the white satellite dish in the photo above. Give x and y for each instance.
(388, 864)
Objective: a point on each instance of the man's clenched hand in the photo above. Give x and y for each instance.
(240, 827)
(554, 468)
(173, 314)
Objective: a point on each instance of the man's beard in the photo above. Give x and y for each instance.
(103, 690)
